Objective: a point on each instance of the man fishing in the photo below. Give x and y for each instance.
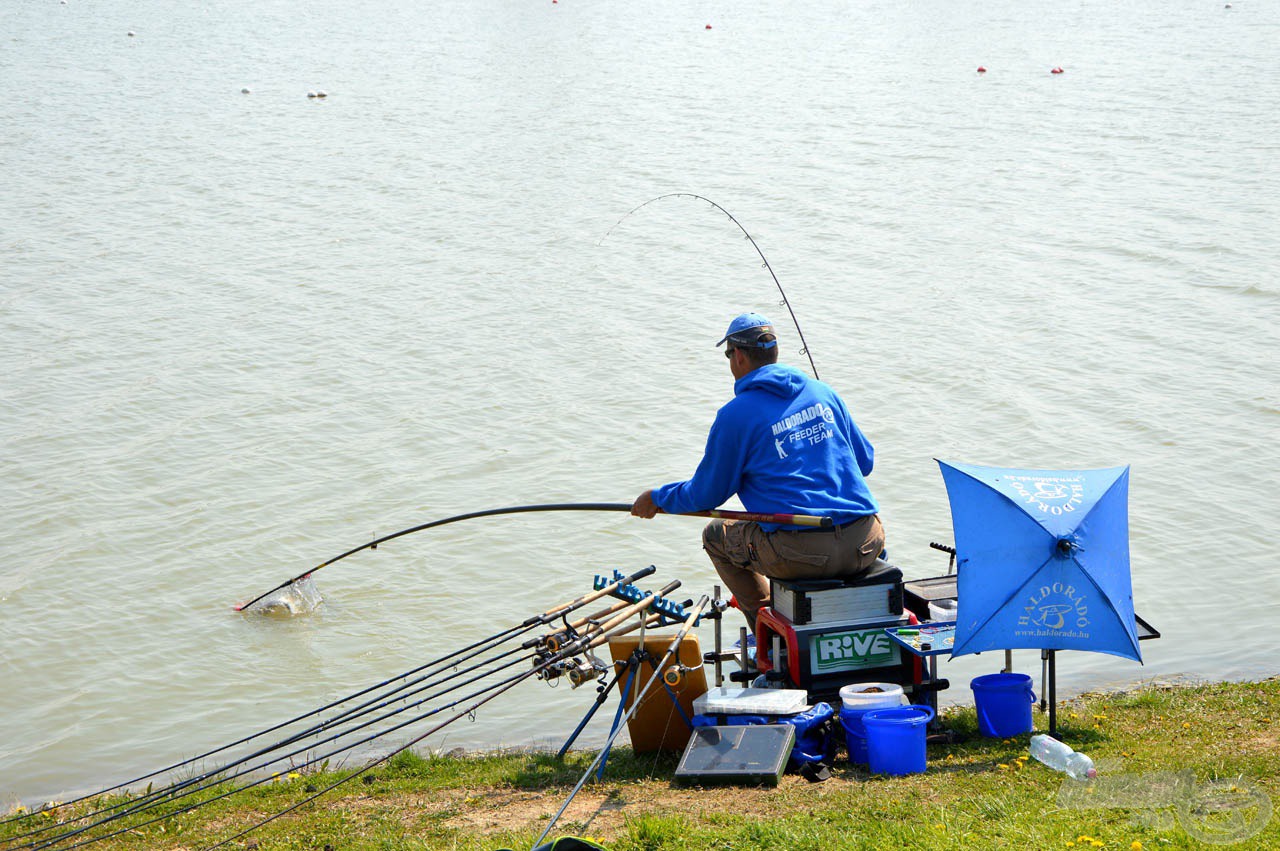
(784, 444)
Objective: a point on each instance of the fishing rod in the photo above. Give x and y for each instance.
(804, 346)
(573, 649)
(58, 840)
(219, 776)
(789, 519)
(464, 654)
(549, 616)
(216, 778)
(679, 637)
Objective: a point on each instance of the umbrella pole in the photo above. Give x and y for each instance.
(1053, 695)
(1008, 661)
(1044, 679)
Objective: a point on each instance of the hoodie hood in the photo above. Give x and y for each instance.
(778, 379)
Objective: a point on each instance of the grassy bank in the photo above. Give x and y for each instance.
(1179, 767)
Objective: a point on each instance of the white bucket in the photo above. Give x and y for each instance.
(942, 610)
(860, 696)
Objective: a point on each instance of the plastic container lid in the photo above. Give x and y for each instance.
(751, 701)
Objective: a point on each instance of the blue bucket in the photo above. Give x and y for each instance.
(855, 734)
(896, 739)
(1004, 703)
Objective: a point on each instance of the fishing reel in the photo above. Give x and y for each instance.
(586, 669)
(548, 667)
(556, 641)
(674, 675)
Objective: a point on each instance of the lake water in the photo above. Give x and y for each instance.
(242, 333)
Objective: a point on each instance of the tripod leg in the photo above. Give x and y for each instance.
(600, 699)
(633, 666)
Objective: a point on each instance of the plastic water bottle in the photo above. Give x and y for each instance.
(1061, 757)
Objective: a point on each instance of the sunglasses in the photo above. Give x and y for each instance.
(729, 352)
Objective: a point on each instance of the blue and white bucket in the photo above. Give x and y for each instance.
(857, 699)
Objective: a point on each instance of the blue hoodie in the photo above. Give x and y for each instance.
(784, 444)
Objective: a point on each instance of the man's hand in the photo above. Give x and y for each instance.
(644, 505)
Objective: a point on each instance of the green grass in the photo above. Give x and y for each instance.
(1207, 756)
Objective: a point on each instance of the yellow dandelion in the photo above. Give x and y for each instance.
(293, 775)
(939, 826)
(1070, 844)
(1003, 767)
(1186, 725)
(1135, 845)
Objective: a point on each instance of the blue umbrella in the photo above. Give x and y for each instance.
(1043, 559)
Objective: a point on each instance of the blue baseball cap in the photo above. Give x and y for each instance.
(746, 330)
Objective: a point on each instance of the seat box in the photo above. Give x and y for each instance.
(876, 595)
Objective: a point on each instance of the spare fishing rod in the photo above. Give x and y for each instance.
(575, 647)
(398, 693)
(219, 776)
(804, 346)
(690, 622)
(464, 654)
(792, 519)
(540, 669)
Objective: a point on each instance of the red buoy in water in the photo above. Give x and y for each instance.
(982, 69)
(1057, 70)
(708, 26)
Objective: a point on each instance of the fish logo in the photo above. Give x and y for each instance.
(1051, 495)
(1054, 609)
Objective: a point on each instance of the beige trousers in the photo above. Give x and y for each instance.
(746, 556)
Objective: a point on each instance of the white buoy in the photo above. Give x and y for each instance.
(311, 94)
(130, 33)
(245, 90)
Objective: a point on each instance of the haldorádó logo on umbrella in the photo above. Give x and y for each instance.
(1052, 495)
(1056, 609)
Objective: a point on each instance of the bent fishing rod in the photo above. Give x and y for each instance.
(804, 346)
(454, 659)
(725, 514)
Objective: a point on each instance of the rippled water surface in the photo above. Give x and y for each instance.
(242, 333)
